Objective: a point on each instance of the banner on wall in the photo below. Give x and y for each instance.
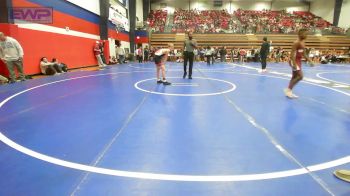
(120, 9)
(119, 20)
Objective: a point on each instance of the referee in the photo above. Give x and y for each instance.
(264, 52)
(189, 46)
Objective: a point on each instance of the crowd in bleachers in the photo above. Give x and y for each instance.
(157, 19)
(266, 21)
(241, 21)
(201, 21)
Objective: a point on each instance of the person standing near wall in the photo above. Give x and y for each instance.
(264, 53)
(120, 53)
(139, 54)
(11, 53)
(189, 45)
(97, 52)
(102, 49)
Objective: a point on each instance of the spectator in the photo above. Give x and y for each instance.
(112, 60)
(179, 58)
(324, 60)
(11, 53)
(242, 21)
(242, 55)
(156, 20)
(102, 49)
(48, 68)
(146, 53)
(215, 52)
(234, 54)
(223, 53)
(120, 53)
(278, 54)
(208, 54)
(139, 54)
(62, 66)
(195, 54)
(98, 52)
(202, 53)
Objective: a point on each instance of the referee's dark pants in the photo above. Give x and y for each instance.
(263, 62)
(188, 56)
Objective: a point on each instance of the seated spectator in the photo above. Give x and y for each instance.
(179, 58)
(285, 56)
(112, 60)
(63, 66)
(324, 60)
(48, 68)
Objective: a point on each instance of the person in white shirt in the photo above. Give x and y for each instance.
(160, 57)
(121, 54)
(208, 54)
(11, 53)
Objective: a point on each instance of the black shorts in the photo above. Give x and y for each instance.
(158, 59)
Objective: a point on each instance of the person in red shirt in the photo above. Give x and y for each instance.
(297, 53)
(97, 52)
(242, 54)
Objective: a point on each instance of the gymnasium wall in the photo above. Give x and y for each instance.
(70, 37)
(345, 15)
(323, 8)
(290, 6)
(90, 5)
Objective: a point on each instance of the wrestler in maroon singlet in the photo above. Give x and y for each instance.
(298, 52)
